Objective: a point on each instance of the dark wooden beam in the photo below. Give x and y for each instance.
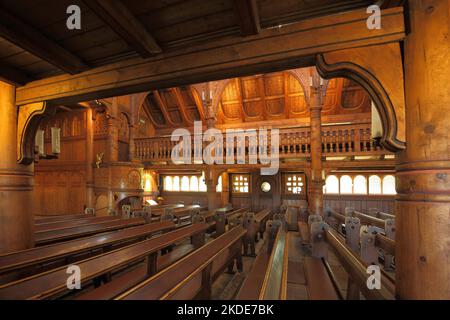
(248, 17)
(12, 75)
(29, 39)
(116, 15)
(162, 106)
(181, 106)
(275, 49)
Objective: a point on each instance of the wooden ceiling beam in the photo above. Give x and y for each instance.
(119, 18)
(26, 37)
(198, 102)
(147, 111)
(291, 46)
(248, 16)
(12, 75)
(162, 106)
(182, 106)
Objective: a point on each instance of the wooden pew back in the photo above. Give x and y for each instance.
(58, 235)
(53, 282)
(58, 254)
(193, 275)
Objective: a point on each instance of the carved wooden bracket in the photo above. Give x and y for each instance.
(379, 70)
(303, 76)
(28, 120)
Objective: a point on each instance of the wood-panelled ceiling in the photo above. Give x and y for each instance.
(266, 97)
(35, 42)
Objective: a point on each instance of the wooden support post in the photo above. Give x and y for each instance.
(205, 293)
(319, 246)
(90, 197)
(352, 232)
(152, 263)
(316, 182)
(16, 181)
(198, 240)
(211, 183)
(352, 289)
(369, 253)
(423, 168)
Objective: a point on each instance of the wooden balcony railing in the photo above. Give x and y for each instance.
(337, 140)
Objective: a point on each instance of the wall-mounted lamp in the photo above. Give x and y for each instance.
(39, 144)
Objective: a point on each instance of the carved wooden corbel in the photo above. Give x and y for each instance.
(367, 67)
(28, 120)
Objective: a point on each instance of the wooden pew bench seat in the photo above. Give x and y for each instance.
(59, 235)
(29, 262)
(72, 223)
(303, 229)
(63, 217)
(131, 278)
(251, 287)
(192, 276)
(320, 286)
(52, 284)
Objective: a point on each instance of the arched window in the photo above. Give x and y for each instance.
(219, 184)
(185, 183)
(346, 185)
(194, 184)
(176, 183)
(374, 185)
(202, 185)
(389, 185)
(168, 183)
(360, 185)
(148, 185)
(332, 184)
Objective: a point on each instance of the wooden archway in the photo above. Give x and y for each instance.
(384, 85)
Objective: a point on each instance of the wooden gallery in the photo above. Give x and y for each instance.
(224, 149)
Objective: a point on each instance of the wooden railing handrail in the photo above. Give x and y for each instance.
(365, 218)
(388, 245)
(349, 139)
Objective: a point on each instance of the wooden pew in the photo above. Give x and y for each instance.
(320, 283)
(58, 235)
(65, 217)
(32, 261)
(365, 239)
(252, 286)
(357, 270)
(183, 213)
(192, 276)
(261, 218)
(52, 284)
(274, 286)
(159, 212)
(72, 223)
(366, 219)
(221, 219)
(133, 276)
(324, 238)
(254, 224)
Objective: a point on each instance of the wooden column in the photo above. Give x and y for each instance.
(225, 195)
(131, 145)
(211, 183)
(113, 132)
(16, 181)
(315, 193)
(90, 198)
(423, 178)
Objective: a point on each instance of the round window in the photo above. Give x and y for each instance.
(265, 186)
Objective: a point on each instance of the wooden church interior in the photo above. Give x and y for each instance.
(87, 176)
